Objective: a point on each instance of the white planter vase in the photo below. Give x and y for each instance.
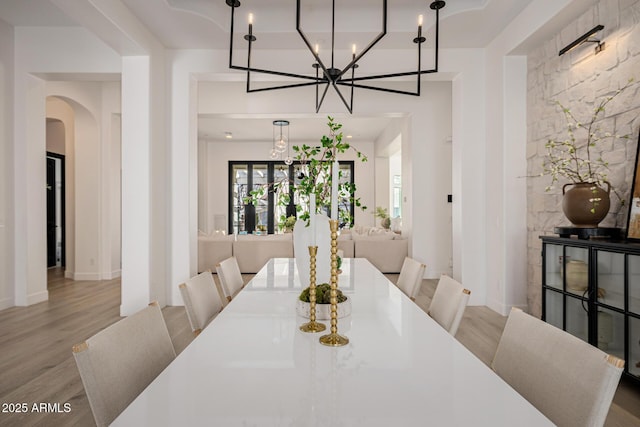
(301, 242)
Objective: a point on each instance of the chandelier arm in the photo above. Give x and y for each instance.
(264, 89)
(326, 88)
(353, 74)
(344, 101)
(272, 72)
(382, 89)
(418, 79)
(382, 76)
(233, 9)
(317, 84)
(306, 41)
(249, 62)
(333, 30)
(373, 42)
(437, 37)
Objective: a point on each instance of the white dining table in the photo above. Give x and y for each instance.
(252, 366)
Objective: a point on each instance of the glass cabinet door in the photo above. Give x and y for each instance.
(553, 311)
(610, 332)
(633, 364)
(577, 318)
(610, 279)
(553, 266)
(634, 284)
(576, 270)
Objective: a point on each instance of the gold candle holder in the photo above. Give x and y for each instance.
(312, 325)
(334, 339)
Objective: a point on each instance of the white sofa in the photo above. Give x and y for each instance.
(385, 250)
(252, 252)
(213, 249)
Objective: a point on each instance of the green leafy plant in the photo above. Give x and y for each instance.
(323, 294)
(385, 220)
(315, 177)
(287, 223)
(579, 159)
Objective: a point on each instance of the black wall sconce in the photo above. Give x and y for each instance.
(585, 38)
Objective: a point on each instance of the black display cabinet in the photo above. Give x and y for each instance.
(591, 289)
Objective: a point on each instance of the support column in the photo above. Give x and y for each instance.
(136, 184)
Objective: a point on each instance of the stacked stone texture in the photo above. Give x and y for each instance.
(579, 80)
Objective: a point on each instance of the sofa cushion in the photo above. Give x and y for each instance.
(386, 255)
(252, 254)
(212, 250)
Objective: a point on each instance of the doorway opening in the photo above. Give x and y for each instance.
(55, 211)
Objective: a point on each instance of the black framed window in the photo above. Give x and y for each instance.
(269, 211)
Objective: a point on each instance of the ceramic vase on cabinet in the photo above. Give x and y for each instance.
(302, 239)
(585, 204)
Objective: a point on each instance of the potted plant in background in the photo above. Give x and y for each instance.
(315, 177)
(315, 182)
(286, 224)
(579, 160)
(385, 220)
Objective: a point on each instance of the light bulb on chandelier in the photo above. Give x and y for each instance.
(281, 145)
(273, 154)
(288, 160)
(280, 139)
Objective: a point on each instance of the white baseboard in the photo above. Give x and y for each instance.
(68, 274)
(112, 275)
(85, 276)
(37, 297)
(505, 309)
(6, 303)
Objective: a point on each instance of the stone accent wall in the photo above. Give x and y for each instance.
(579, 80)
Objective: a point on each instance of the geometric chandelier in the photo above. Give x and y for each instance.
(329, 74)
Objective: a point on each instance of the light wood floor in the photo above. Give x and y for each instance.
(36, 364)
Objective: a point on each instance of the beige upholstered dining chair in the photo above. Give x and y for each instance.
(448, 303)
(410, 279)
(202, 298)
(571, 382)
(230, 277)
(117, 363)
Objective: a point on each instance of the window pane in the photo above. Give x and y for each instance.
(239, 192)
(261, 181)
(281, 194)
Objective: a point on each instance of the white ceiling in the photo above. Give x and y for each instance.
(204, 24)
(302, 129)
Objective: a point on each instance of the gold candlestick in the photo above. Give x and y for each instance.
(312, 325)
(334, 339)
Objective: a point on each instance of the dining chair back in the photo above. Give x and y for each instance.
(449, 303)
(203, 299)
(571, 382)
(230, 277)
(117, 363)
(410, 279)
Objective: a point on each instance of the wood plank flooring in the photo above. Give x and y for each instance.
(36, 364)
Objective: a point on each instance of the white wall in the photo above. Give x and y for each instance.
(215, 176)
(468, 127)
(6, 165)
(432, 122)
(579, 80)
(93, 165)
(381, 185)
(43, 51)
(55, 135)
(60, 110)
